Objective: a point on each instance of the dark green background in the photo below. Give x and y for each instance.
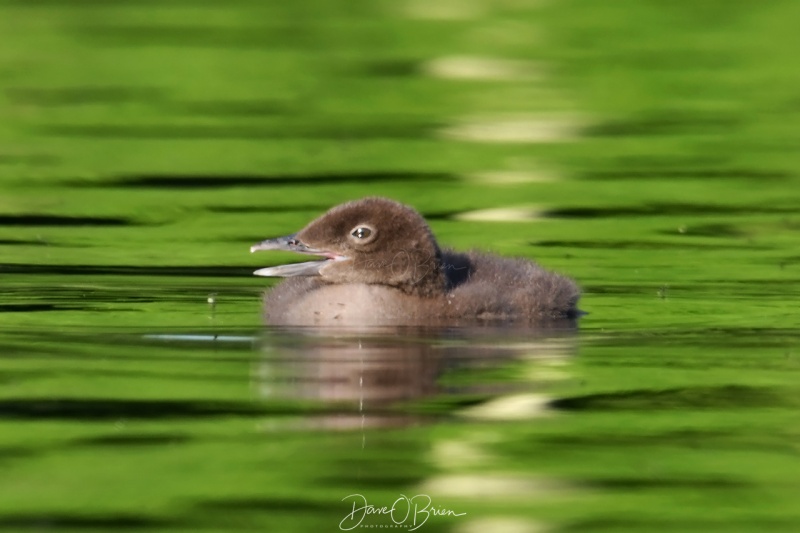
(145, 145)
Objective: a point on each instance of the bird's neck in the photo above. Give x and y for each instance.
(427, 278)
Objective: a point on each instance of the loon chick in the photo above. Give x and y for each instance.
(382, 266)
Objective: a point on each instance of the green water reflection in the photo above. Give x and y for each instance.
(648, 149)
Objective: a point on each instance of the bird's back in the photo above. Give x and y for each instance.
(490, 287)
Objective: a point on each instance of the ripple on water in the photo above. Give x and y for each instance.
(514, 129)
(444, 9)
(482, 68)
(502, 214)
(511, 177)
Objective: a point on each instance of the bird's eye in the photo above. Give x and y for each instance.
(361, 233)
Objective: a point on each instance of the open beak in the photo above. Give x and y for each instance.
(291, 243)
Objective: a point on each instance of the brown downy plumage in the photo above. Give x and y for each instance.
(382, 266)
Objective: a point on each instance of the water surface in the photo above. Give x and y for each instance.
(646, 149)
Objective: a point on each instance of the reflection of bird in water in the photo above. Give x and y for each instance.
(382, 266)
(365, 378)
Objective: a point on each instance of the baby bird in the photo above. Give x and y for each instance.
(381, 265)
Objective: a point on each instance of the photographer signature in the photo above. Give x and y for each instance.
(411, 512)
